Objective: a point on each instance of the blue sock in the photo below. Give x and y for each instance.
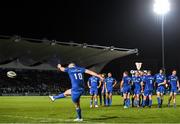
(78, 110)
(150, 102)
(159, 101)
(106, 101)
(59, 96)
(110, 101)
(91, 102)
(128, 102)
(95, 102)
(143, 104)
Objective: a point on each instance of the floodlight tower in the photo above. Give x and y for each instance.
(161, 8)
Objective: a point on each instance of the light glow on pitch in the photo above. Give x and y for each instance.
(161, 7)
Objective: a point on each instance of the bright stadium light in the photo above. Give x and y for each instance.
(161, 7)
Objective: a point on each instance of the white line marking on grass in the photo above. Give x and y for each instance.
(37, 118)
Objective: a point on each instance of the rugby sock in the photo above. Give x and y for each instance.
(110, 101)
(106, 101)
(95, 102)
(174, 105)
(150, 102)
(128, 102)
(78, 110)
(143, 104)
(59, 96)
(91, 101)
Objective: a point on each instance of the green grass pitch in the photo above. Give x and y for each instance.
(39, 109)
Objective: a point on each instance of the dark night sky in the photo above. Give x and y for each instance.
(120, 23)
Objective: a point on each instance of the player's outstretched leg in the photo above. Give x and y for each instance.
(61, 95)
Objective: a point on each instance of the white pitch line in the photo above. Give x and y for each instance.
(35, 118)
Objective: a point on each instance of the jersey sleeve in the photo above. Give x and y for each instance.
(144, 79)
(66, 70)
(82, 70)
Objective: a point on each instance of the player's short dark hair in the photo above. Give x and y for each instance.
(174, 70)
(126, 72)
(162, 69)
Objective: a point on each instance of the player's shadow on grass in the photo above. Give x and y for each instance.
(103, 118)
(120, 105)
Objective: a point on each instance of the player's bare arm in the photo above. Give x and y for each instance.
(60, 68)
(88, 85)
(94, 74)
(121, 84)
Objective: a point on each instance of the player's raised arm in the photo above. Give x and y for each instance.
(94, 74)
(60, 68)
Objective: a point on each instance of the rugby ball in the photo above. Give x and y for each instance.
(11, 74)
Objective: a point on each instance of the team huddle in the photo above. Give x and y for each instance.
(139, 85)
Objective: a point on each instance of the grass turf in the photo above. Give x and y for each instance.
(38, 109)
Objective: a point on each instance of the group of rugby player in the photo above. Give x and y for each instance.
(143, 85)
(139, 84)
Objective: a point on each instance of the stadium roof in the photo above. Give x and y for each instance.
(25, 53)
